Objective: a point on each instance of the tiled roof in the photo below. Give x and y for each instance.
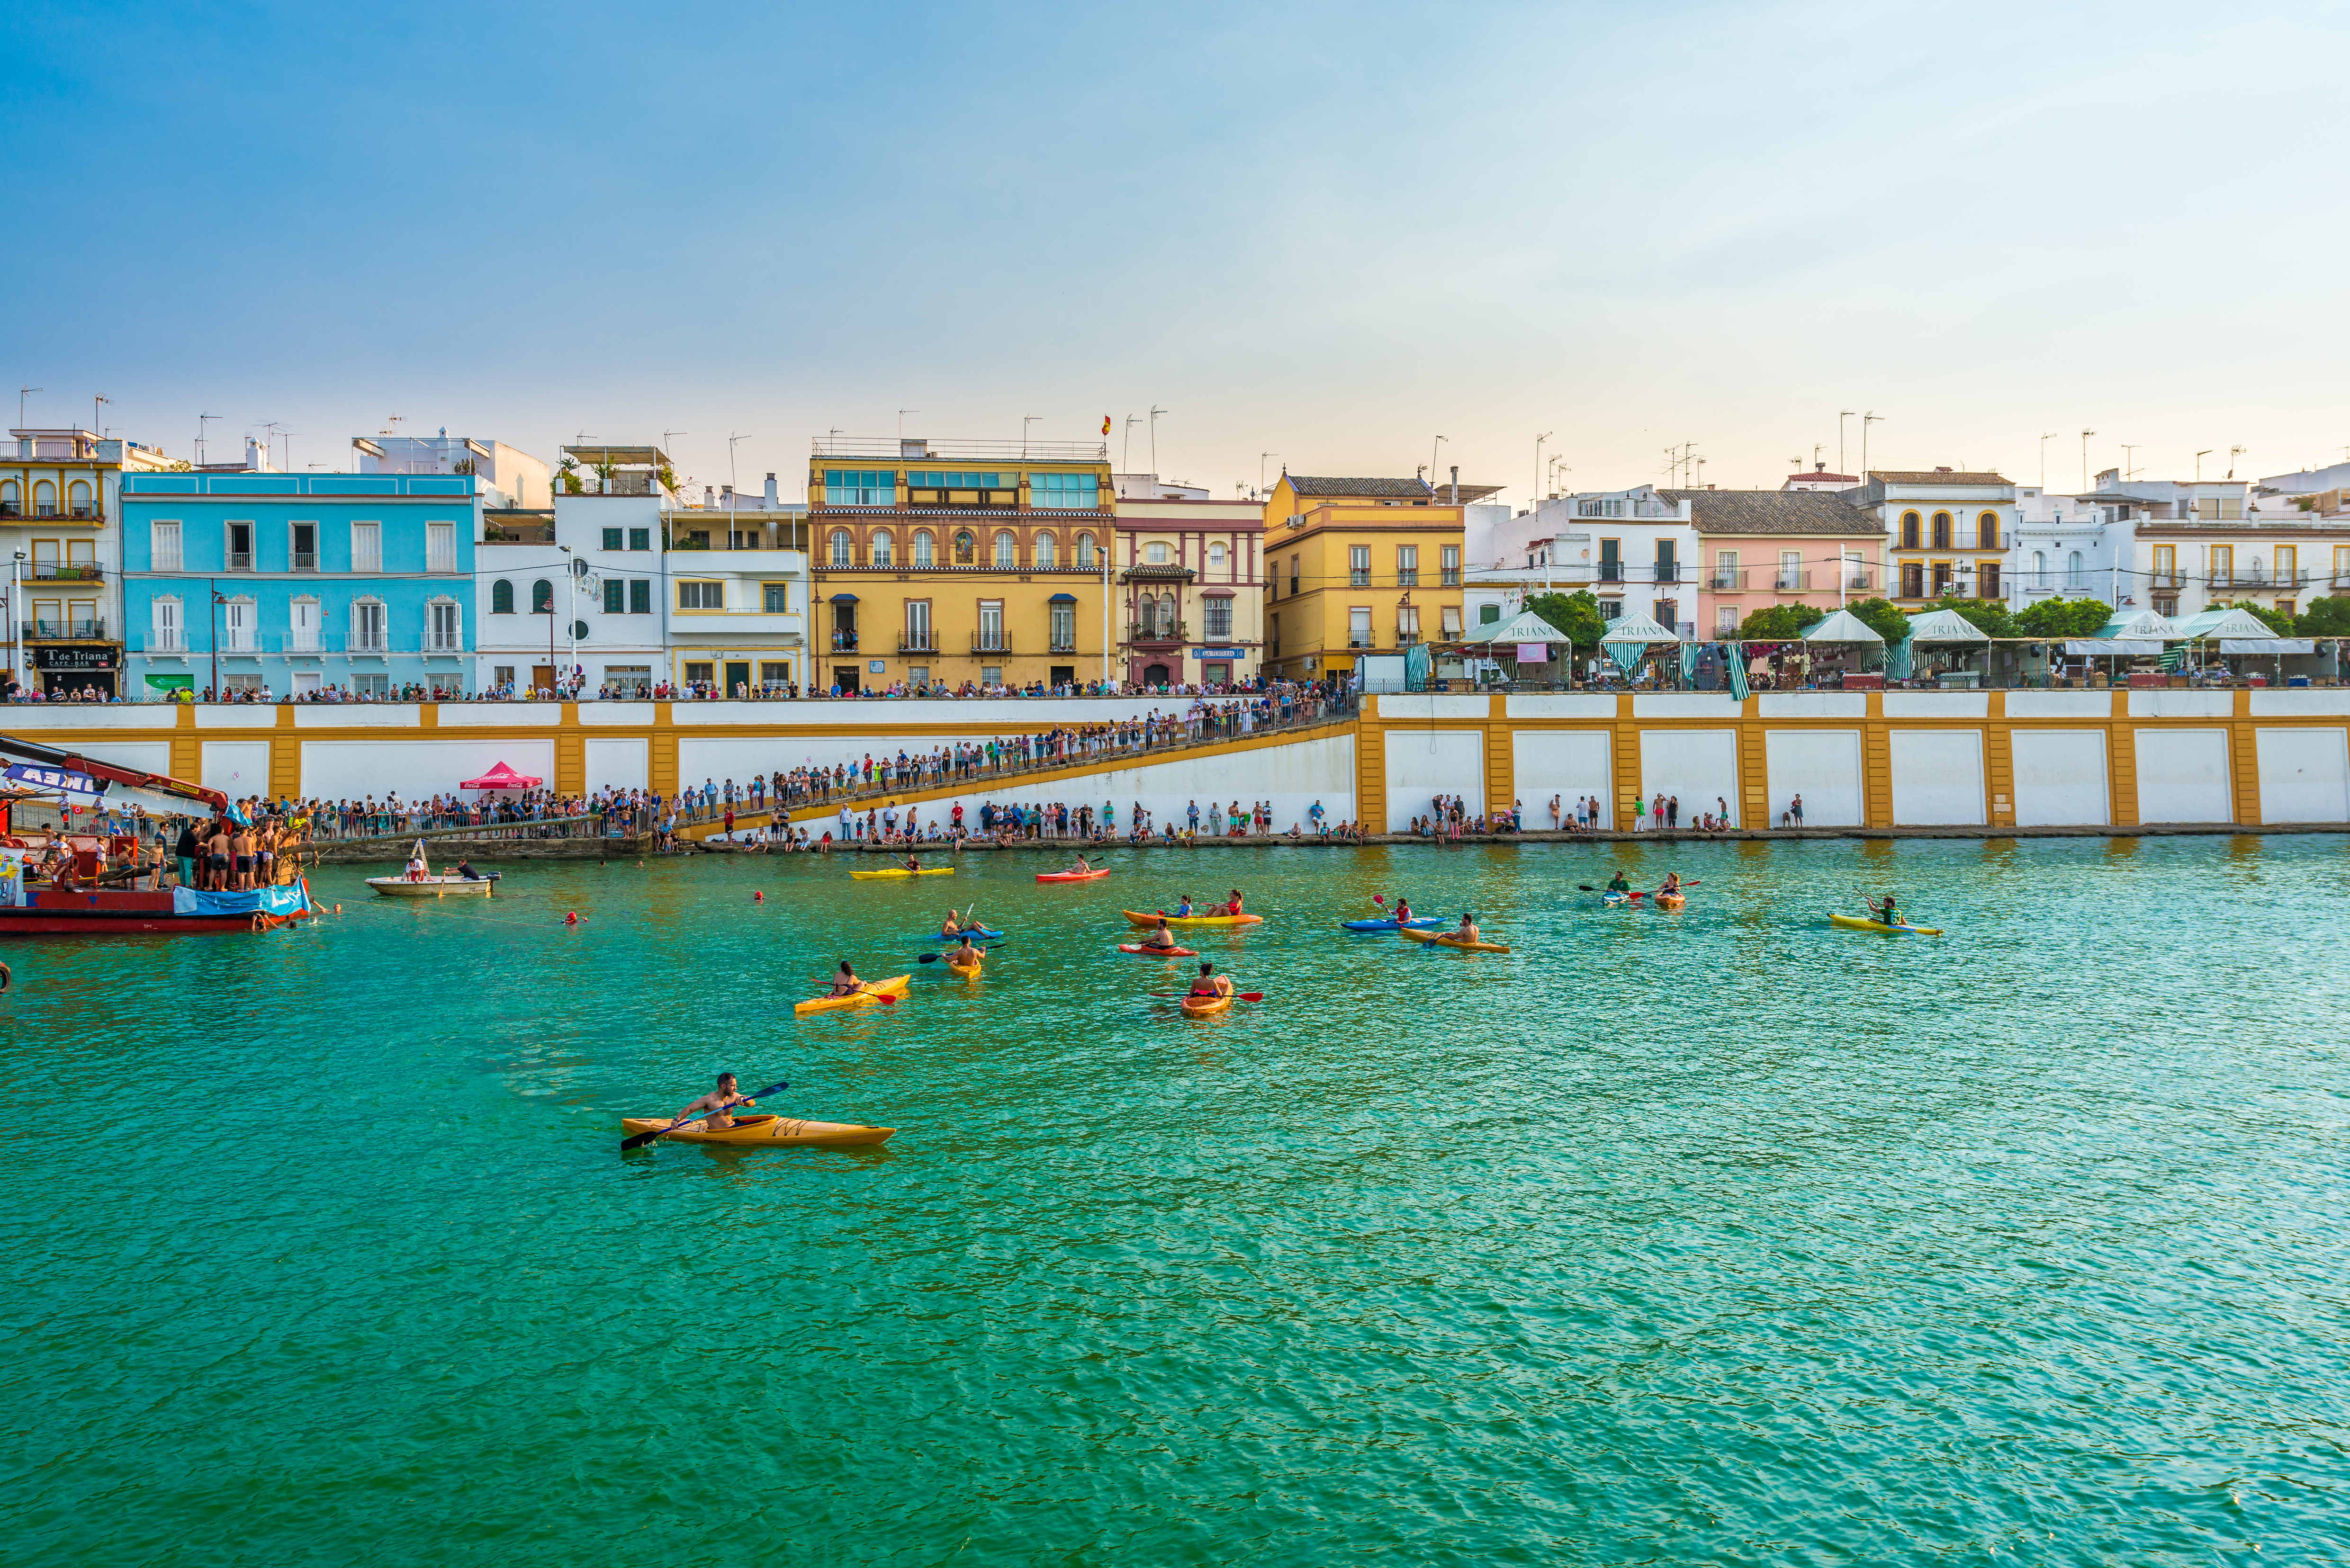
(1774, 512)
(1413, 488)
(1935, 476)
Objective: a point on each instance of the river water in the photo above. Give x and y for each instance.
(1723, 1237)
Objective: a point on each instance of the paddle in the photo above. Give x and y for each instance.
(641, 1139)
(1237, 996)
(934, 958)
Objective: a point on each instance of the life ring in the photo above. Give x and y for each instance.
(5, 977)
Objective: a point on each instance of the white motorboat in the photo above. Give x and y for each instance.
(419, 882)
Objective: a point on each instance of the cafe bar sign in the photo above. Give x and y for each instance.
(76, 657)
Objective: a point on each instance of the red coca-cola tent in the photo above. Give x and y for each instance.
(502, 777)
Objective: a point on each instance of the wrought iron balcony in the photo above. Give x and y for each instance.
(87, 629)
(990, 642)
(918, 642)
(55, 572)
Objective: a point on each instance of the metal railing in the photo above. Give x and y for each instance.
(305, 560)
(240, 561)
(910, 448)
(1783, 581)
(990, 642)
(55, 572)
(917, 642)
(87, 629)
(1727, 580)
(1142, 631)
(843, 642)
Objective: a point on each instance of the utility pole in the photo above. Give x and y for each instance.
(1842, 415)
(1025, 421)
(1866, 420)
(901, 420)
(2233, 454)
(1433, 447)
(2045, 438)
(24, 395)
(201, 420)
(1155, 411)
(2130, 471)
(97, 429)
(1537, 501)
(734, 491)
(2198, 464)
(1126, 452)
(1260, 471)
(2084, 461)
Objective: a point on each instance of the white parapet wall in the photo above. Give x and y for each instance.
(2183, 776)
(1823, 766)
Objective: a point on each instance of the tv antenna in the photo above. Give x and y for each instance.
(201, 420)
(22, 394)
(2198, 464)
(2233, 454)
(2045, 440)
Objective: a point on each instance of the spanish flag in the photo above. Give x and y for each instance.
(1105, 425)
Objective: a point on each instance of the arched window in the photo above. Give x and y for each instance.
(1216, 556)
(542, 596)
(502, 598)
(11, 498)
(1084, 552)
(2040, 568)
(925, 552)
(1007, 550)
(78, 498)
(1908, 530)
(1046, 552)
(1987, 530)
(840, 547)
(885, 548)
(1941, 530)
(44, 499)
(2072, 570)
(965, 547)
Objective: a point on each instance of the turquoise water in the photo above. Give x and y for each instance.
(1717, 1238)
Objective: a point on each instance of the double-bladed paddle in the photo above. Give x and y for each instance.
(641, 1139)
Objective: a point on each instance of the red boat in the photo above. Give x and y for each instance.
(77, 906)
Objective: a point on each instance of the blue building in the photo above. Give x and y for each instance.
(292, 582)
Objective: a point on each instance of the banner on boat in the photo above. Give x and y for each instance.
(253, 901)
(54, 778)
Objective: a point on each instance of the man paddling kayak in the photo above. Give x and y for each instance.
(1079, 867)
(1619, 884)
(713, 1107)
(1884, 912)
(965, 955)
(1210, 984)
(1466, 931)
(1159, 937)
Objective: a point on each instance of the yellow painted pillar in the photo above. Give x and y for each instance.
(187, 747)
(570, 752)
(1998, 764)
(1754, 766)
(1371, 774)
(1500, 763)
(1625, 751)
(286, 755)
(2121, 773)
(661, 752)
(1876, 764)
(2244, 750)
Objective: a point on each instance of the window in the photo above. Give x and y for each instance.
(444, 627)
(1668, 614)
(1725, 571)
(302, 622)
(860, 487)
(367, 626)
(1046, 552)
(1943, 578)
(240, 546)
(1725, 620)
(991, 628)
(163, 545)
(918, 627)
(1064, 491)
(1293, 576)
(12, 500)
(1790, 571)
(1216, 556)
(2285, 606)
(966, 548)
(1489, 615)
(1449, 618)
(542, 598)
(840, 547)
(1007, 551)
(1908, 530)
(1084, 552)
(626, 679)
(2166, 564)
(1064, 627)
(1154, 554)
(1359, 566)
(1611, 560)
(44, 499)
(641, 596)
(2288, 564)
(1941, 530)
(640, 538)
(884, 548)
(1913, 580)
(934, 479)
(1987, 533)
(371, 685)
(775, 599)
(701, 672)
(1451, 567)
(774, 674)
(2341, 565)
(302, 539)
(990, 675)
(367, 547)
(2073, 582)
(925, 553)
(1406, 625)
(615, 597)
(78, 498)
(166, 623)
(612, 538)
(2040, 568)
(696, 596)
(1987, 580)
(1407, 566)
(1669, 566)
(1217, 617)
(1358, 625)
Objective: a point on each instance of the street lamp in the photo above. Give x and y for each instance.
(570, 614)
(15, 597)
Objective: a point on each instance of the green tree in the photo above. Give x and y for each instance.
(1780, 623)
(2063, 617)
(1576, 613)
(1987, 617)
(1883, 619)
(2280, 624)
(2325, 617)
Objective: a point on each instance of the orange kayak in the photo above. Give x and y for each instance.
(1143, 951)
(1205, 1006)
(1072, 876)
(766, 1132)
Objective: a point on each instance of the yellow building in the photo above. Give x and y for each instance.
(59, 494)
(1355, 566)
(947, 563)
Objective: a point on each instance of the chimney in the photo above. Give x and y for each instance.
(257, 456)
(1456, 485)
(709, 497)
(773, 502)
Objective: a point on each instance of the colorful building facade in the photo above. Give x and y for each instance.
(1356, 566)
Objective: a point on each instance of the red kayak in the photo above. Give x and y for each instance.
(1141, 951)
(1072, 876)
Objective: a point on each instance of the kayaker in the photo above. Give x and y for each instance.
(1466, 931)
(913, 866)
(1080, 866)
(1159, 937)
(1672, 884)
(1620, 885)
(964, 954)
(1402, 910)
(1885, 912)
(1211, 983)
(1183, 909)
(952, 926)
(845, 983)
(714, 1106)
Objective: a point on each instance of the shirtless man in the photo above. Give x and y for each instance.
(715, 1107)
(964, 954)
(1159, 935)
(1467, 930)
(241, 849)
(216, 860)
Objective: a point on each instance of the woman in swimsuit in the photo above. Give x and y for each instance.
(1210, 984)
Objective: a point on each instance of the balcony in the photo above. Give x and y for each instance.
(90, 629)
(1859, 580)
(52, 572)
(1360, 642)
(1153, 631)
(443, 643)
(240, 641)
(1408, 638)
(923, 641)
(990, 642)
(305, 560)
(1407, 577)
(2258, 578)
(1790, 582)
(1727, 580)
(365, 643)
(843, 642)
(240, 561)
(2169, 581)
(1666, 572)
(1062, 642)
(11, 512)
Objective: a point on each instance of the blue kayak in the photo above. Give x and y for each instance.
(1418, 924)
(977, 936)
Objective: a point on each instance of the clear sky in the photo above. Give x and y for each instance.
(1332, 233)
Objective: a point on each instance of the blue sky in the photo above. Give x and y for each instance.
(1333, 233)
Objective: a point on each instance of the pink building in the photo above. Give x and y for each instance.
(1757, 549)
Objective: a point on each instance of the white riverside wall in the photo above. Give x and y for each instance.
(1938, 777)
(1821, 765)
(1425, 763)
(1569, 764)
(2060, 778)
(413, 769)
(2305, 775)
(1696, 766)
(2184, 777)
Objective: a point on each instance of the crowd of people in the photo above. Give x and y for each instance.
(573, 689)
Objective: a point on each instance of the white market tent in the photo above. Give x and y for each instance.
(1840, 628)
(1638, 629)
(2145, 626)
(1524, 627)
(2227, 621)
(1944, 626)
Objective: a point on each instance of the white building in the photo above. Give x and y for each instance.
(572, 596)
(1636, 550)
(738, 589)
(508, 479)
(2066, 547)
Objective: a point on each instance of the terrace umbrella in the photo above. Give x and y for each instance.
(1842, 629)
(1523, 633)
(1628, 640)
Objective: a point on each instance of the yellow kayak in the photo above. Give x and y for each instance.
(966, 972)
(1855, 923)
(763, 1131)
(1670, 901)
(1205, 1006)
(1434, 940)
(894, 986)
(1146, 921)
(901, 871)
